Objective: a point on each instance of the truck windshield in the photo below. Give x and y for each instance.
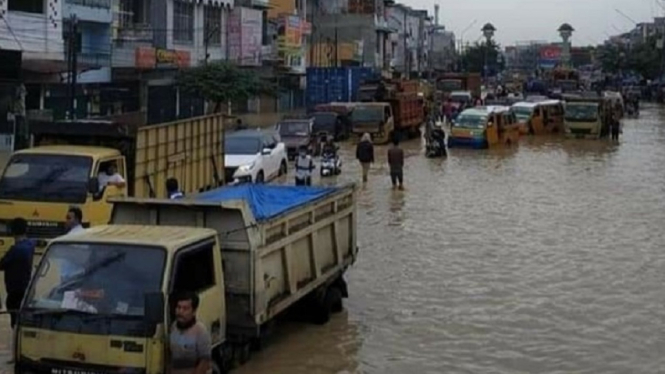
(448, 85)
(51, 178)
(324, 122)
(581, 113)
(367, 114)
(471, 121)
(294, 128)
(104, 279)
(236, 145)
(460, 98)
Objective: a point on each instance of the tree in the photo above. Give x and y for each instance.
(643, 58)
(474, 57)
(223, 82)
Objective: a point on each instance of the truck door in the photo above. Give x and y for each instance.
(99, 211)
(198, 269)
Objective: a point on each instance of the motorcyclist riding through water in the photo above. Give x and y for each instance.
(330, 148)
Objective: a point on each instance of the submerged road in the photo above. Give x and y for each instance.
(541, 258)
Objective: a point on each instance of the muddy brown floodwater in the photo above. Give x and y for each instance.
(548, 257)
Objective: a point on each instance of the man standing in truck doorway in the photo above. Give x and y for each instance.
(111, 177)
(189, 340)
(17, 265)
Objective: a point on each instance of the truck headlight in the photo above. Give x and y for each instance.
(4, 228)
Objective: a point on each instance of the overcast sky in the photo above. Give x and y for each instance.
(524, 20)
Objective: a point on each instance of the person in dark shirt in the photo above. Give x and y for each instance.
(365, 154)
(17, 265)
(396, 163)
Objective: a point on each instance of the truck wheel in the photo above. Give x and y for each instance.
(334, 300)
(319, 308)
(242, 353)
(221, 361)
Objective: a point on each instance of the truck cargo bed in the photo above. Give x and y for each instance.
(279, 243)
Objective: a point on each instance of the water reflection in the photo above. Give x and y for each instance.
(301, 348)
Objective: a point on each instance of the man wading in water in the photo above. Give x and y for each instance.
(396, 163)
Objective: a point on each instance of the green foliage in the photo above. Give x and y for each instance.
(222, 82)
(474, 57)
(643, 58)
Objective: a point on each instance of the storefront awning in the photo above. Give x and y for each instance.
(221, 3)
(54, 66)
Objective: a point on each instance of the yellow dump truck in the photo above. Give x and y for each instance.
(61, 170)
(250, 252)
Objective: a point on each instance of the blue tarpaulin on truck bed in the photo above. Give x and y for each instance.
(267, 201)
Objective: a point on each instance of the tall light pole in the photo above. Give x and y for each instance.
(566, 32)
(488, 32)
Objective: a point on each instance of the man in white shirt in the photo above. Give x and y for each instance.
(73, 223)
(304, 167)
(110, 177)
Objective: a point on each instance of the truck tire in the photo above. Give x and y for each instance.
(334, 299)
(242, 352)
(319, 308)
(221, 360)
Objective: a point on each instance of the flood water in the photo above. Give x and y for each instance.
(545, 258)
(548, 257)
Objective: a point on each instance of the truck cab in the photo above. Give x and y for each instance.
(375, 119)
(40, 184)
(110, 315)
(62, 168)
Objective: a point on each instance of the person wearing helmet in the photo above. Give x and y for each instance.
(330, 148)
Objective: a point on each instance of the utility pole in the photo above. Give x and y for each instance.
(336, 39)
(406, 59)
(72, 61)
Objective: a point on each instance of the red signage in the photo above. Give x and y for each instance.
(550, 52)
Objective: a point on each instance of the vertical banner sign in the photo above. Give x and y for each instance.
(234, 30)
(250, 48)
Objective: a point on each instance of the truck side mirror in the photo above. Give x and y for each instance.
(93, 185)
(153, 308)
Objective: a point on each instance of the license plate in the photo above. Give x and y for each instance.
(74, 371)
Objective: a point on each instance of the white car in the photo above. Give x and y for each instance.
(253, 156)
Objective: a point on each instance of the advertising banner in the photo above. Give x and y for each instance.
(549, 56)
(245, 34)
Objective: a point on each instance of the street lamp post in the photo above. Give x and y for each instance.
(566, 32)
(488, 32)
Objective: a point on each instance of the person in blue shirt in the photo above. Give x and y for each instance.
(17, 265)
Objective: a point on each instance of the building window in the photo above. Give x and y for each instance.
(213, 25)
(183, 22)
(133, 12)
(30, 6)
